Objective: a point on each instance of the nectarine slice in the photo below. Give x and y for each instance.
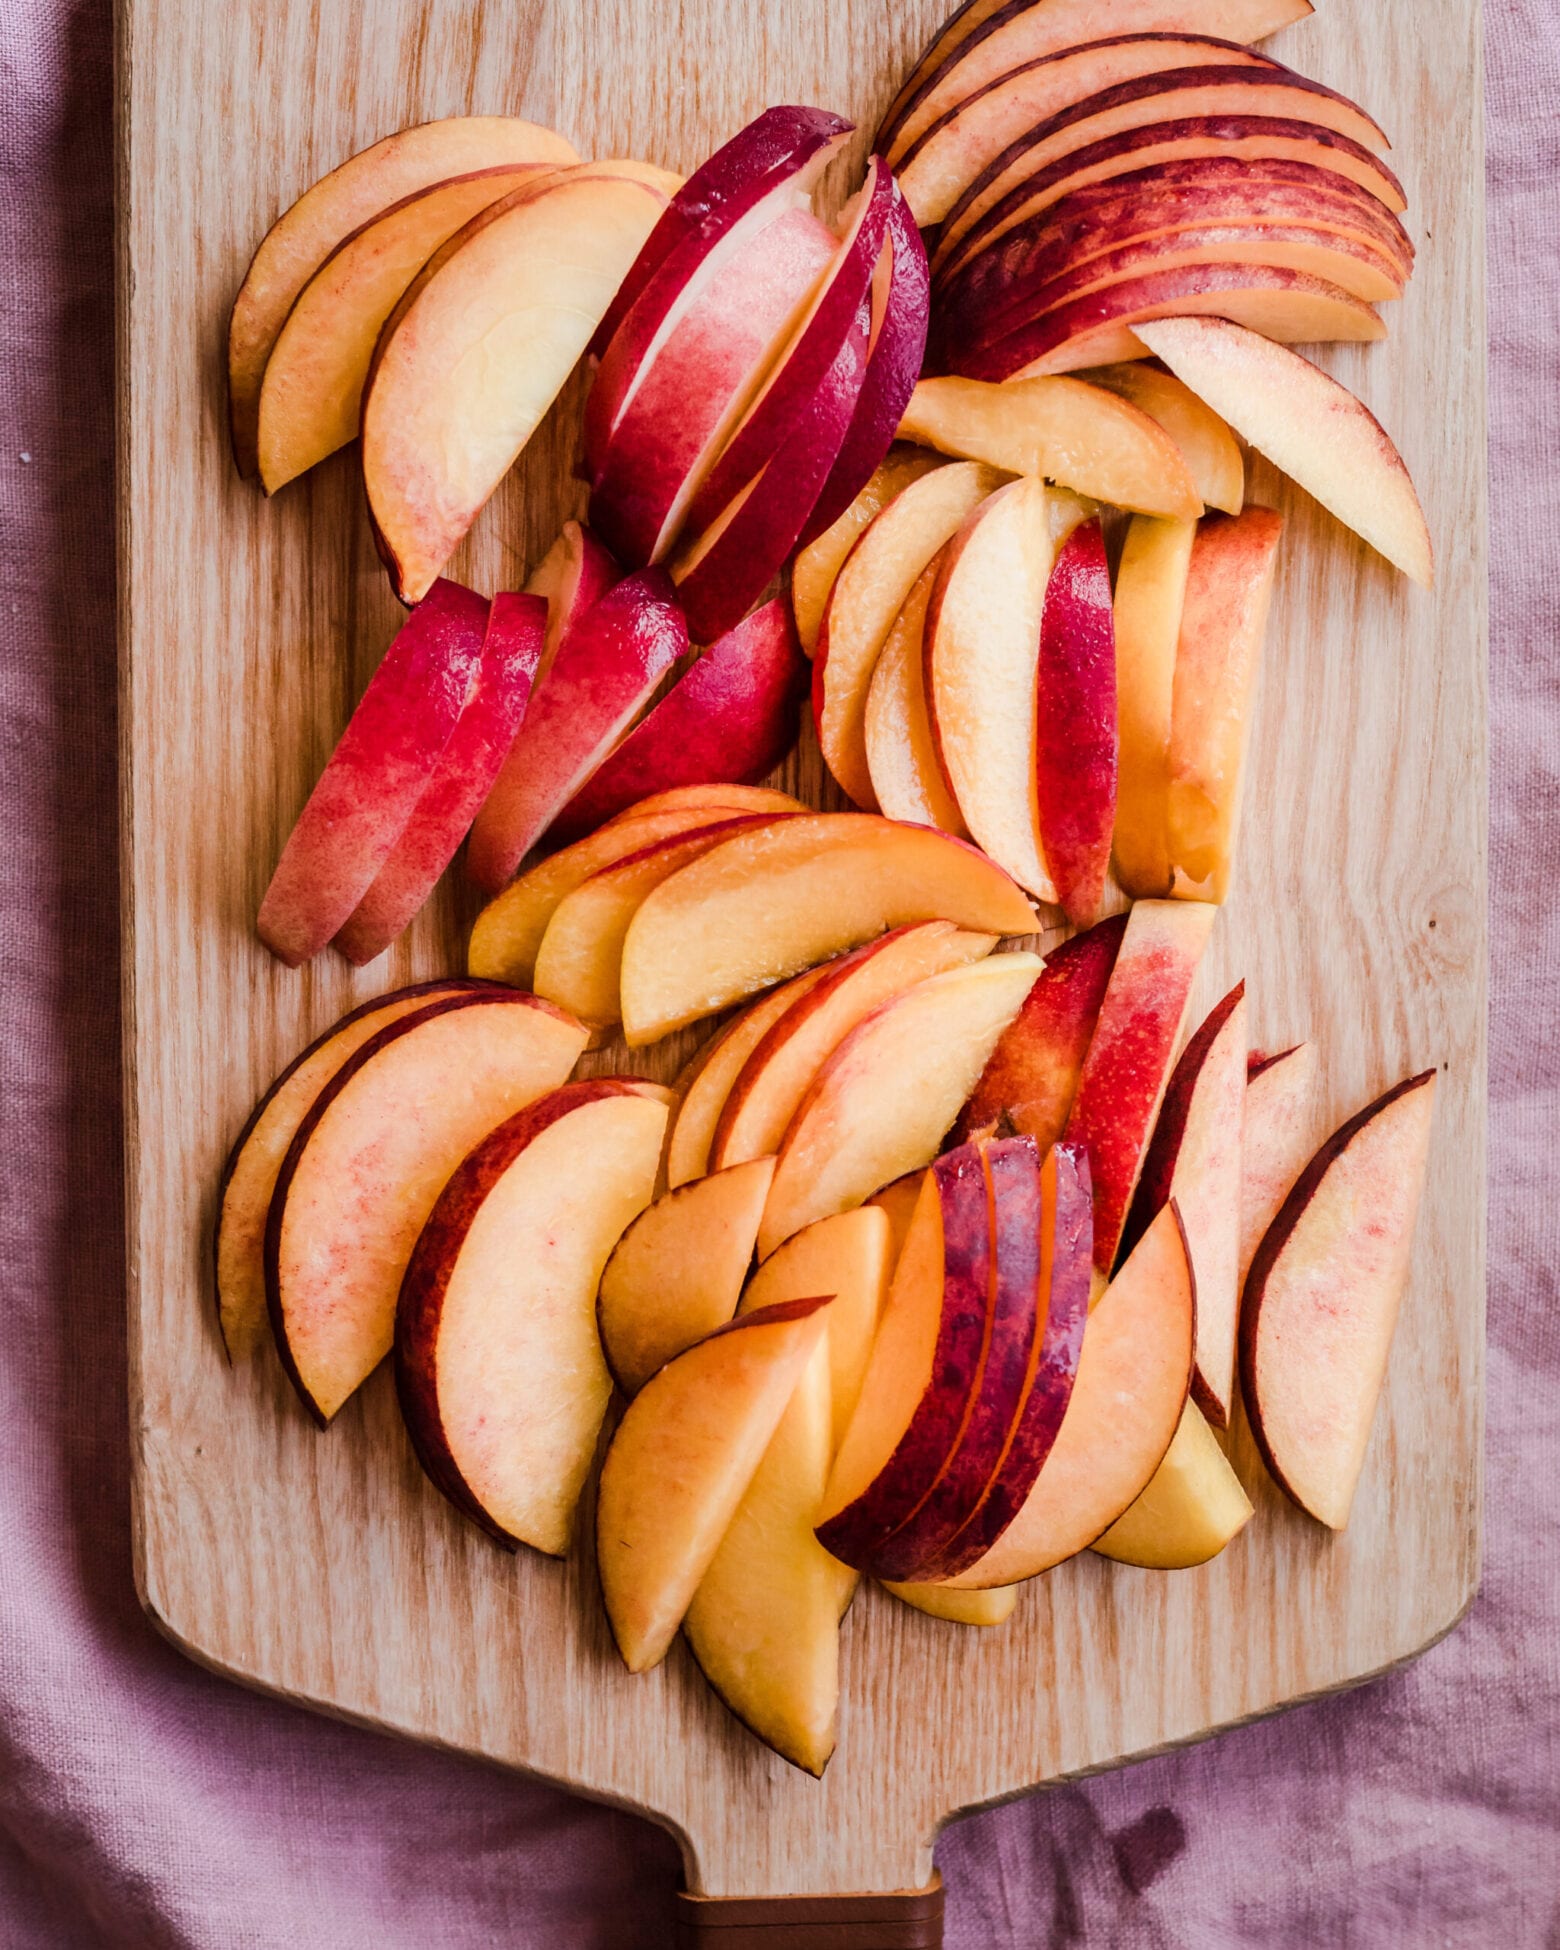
(1308, 425)
(680, 1464)
(1125, 1407)
(571, 578)
(717, 797)
(1151, 577)
(897, 1204)
(769, 1090)
(958, 1607)
(1209, 449)
(1279, 1136)
(1192, 1509)
(883, 1102)
(902, 761)
(1076, 743)
(785, 897)
(677, 1272)
(1322, 1300)
(367, 1164)
(498, 1367)
(814, 571)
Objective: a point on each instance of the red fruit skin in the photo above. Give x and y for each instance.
(511, 651)
(727, 721)
(1030, 1082)
(1259, 1060)
(1076, 753)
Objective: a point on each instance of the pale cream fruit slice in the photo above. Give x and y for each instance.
(680, 1464)
(769, 903)
(771, 1085)
(1156, 558)
(1194, 1507)
(369, 1161)
(868, 594)
(1062, 430)
(250, 1176)
(1211, 451)
(1308, 425)
(884, 1101)
(677, 1273)
(959, 1607)
(814, 571)
(301, 239)
(764, 1621)
(901, 751)
(1281, 1133)
(727, 798)
(1323, 1297)
(498, 1367)
(1127, 1402)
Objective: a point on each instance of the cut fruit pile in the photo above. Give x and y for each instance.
(940, 1263)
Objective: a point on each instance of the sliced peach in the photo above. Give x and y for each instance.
(498, 1367)
(1151, 577)
(897, 1204)
(814, 571)
(958, 1607)
(1076, 745)
(1191, 1510)
(907, 778)
(784, 897)
(1208, 447)
(883, 1102)
(729, 798)
(680, 1464)
(1279, 1138)
(677, 1272)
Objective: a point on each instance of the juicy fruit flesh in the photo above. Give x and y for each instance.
(1190, 1511)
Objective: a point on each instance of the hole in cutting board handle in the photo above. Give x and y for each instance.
(909, 1919)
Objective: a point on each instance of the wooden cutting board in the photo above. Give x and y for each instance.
(324, 1567)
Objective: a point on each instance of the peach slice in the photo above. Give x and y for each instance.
(1076, 742)
(902, 762)
(1229, 589)
(771, 1085)
(1191, 1510)
(680, 1464)
(677, 1272)
(1061, 429)
(1209, 449)
(571, 578)
(761, 906)
(498, 1369)
(480, 346)
(815, 569)
(727, 798)
(958, 1607)
(579, 964)
(1151, 578)
(1125, 1408)
(304, 236)
(1279, 1138)
(1029, 1085)
(852, 1257)
(1195, 1157)
(369, 1160)
(1128, 1064)
(1323, 1296)
(981, 673)
(249, 1177)
(897, 1204)
(883, 1102)
(1308, 425)
(764, 1621)
(313, 386)
(867, 596)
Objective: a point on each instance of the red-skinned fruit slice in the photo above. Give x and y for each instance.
(732, 717)
(1322, 1300)
(1278, 1138)
(1076, 747)
(377, 773)
(571, 578)
(511, 652)
(605, 671)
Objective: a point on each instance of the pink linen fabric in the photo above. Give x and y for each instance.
(146, 1806)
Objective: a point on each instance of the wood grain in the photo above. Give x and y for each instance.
(325, 1568)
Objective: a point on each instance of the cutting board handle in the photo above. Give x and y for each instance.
(910, 1919)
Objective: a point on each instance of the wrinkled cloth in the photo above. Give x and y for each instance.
(146, 1804)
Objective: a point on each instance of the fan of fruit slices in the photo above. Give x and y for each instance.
(940, 1262)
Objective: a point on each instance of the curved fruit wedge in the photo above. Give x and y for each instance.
(441, 819)
(1279, 1137)
(728, 798)
(1062, 430)
(571, 578)
(1077, 741)
(1126, 1405)
(772, 1084)
(734, 714)
(680, 1463)
(304, 236)
(606, 670)
(480, 346)
(368, 1163)
(902, 762)
(1322, 1300)
(1151, 579)
(381, 768)
(677, 1273)
(767, 903)
(884, 1101)
(957, 1607)
(814, 571)
(498, 1369)
(1308, 425)
(1192, 1509)
(249, 1177)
